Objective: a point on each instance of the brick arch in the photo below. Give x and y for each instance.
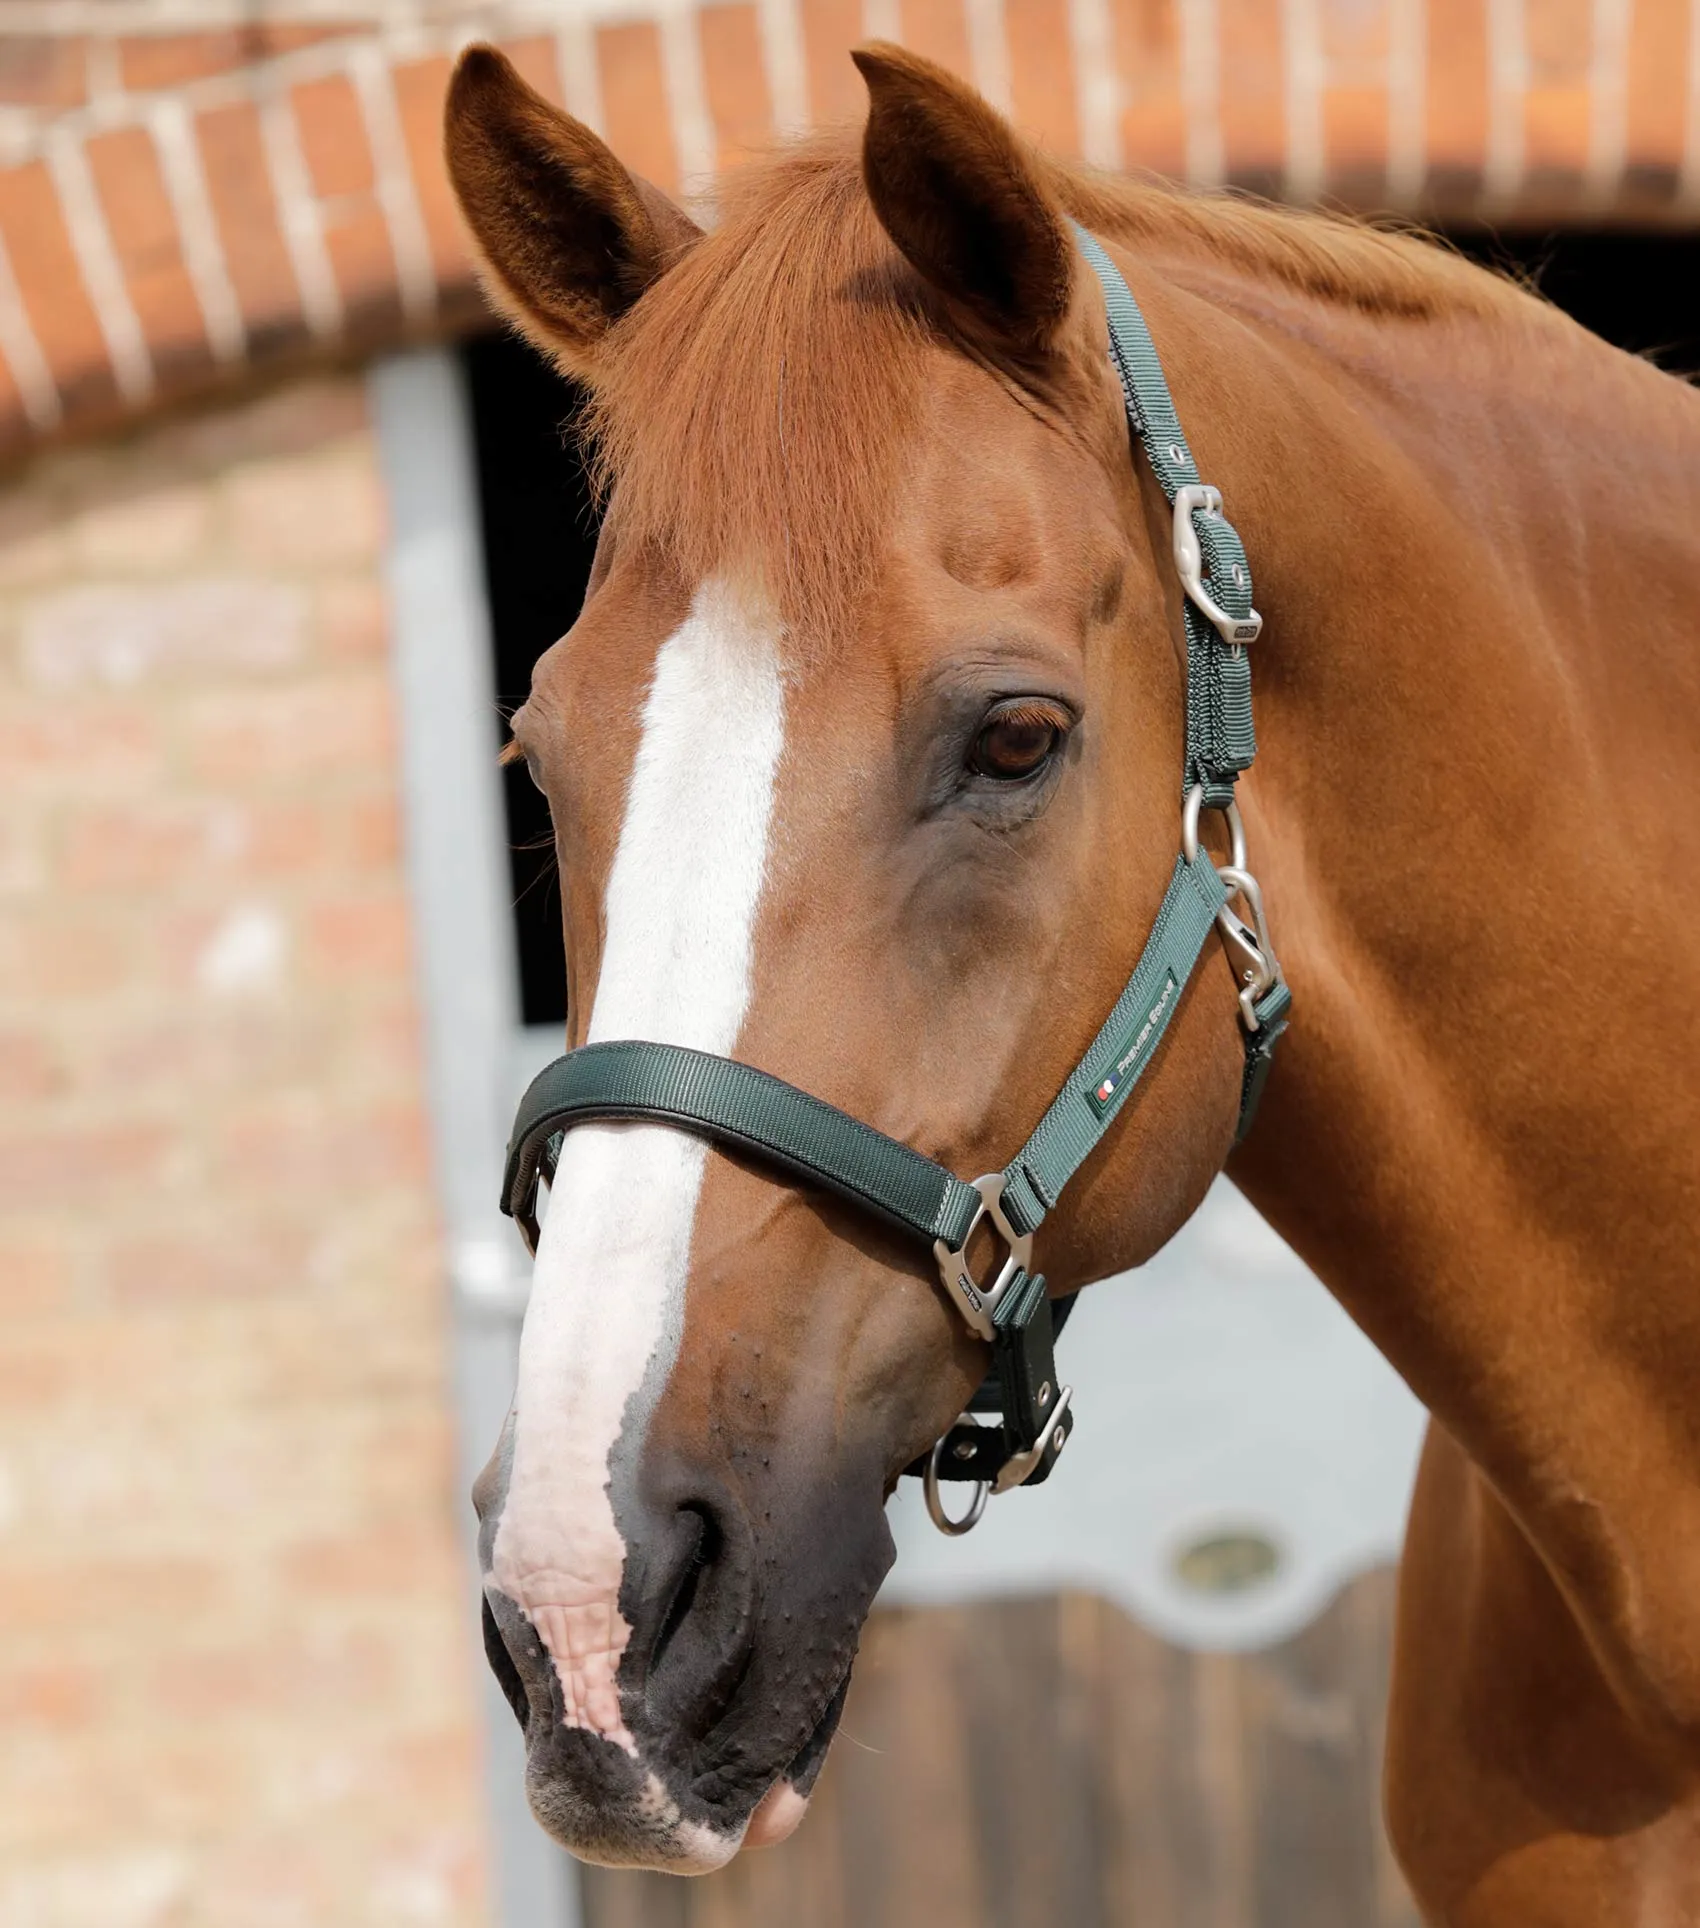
(181, 209)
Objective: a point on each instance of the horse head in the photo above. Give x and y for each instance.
(863, 763)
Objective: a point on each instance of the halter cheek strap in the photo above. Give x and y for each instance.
(815, 1143)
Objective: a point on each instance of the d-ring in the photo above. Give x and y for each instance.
(954, 1529)
(1195, 807)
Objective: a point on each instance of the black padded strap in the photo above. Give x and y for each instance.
(732, 1104)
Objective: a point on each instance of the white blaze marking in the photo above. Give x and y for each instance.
(607, 1297)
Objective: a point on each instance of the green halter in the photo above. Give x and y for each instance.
(815, 1143)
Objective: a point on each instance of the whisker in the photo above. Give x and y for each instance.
(867, 1747)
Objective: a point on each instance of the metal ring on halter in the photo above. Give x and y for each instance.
(954, 1529)
(1189, 827)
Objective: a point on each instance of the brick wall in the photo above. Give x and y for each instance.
(235, 1684)
(214, 186)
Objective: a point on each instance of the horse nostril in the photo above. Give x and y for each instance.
(701, 1550)
(502, 1666)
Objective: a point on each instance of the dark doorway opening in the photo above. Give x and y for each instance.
(1640, 291)
(539, 528)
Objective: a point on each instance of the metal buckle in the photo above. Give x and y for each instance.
(1015, 1471)
(1020, 1467)
(978, 1302)
(1189, 564)
(1251, 955)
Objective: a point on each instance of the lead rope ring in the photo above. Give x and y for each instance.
(953, 1529)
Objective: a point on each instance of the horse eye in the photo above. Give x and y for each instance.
(1016, 742)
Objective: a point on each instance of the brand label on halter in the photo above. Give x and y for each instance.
(1147, 1029)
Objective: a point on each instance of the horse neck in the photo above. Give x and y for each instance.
(1473, 544)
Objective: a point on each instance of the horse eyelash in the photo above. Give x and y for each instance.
(1030, 712)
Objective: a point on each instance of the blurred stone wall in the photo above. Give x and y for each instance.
(236, 1686)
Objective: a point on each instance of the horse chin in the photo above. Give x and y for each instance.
(623, 1815)
(657, 1838)
(650, 1833)
(644, 1831)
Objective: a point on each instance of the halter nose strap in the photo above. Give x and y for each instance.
(752, 1111)
(732, 1104)
(816, 1143)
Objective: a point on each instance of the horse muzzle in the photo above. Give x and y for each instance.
(706, 1716)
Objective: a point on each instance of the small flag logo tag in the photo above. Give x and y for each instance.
(1129, 1060)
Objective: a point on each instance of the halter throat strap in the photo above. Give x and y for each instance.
(751, 1111)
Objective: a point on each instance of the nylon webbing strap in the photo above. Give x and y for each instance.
(1272, 1012)
(737, 1105)
(1220, 739)
(1098, 1087)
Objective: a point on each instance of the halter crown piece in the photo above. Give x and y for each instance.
(815, 1143)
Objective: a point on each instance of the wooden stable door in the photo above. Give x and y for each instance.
(1041, 1763)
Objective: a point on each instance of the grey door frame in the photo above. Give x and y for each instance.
(456, 843)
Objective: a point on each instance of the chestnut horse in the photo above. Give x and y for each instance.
(862, 758)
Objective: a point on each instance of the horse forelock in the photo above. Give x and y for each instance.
(749, 416)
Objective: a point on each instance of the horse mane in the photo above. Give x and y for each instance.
(751, 412)
(1341, 259)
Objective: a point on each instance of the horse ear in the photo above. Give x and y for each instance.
(569, 238)
(958, 192)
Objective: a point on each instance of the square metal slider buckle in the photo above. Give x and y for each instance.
(976, 1300)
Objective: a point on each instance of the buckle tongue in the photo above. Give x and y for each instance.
(1041, 1456)
(975, 1299)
